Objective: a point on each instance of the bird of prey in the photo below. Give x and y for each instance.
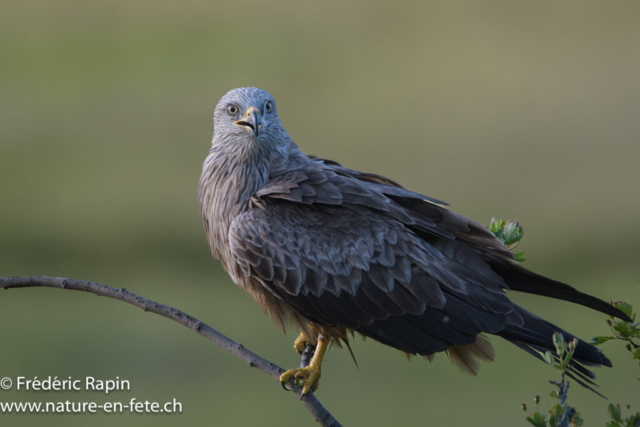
(336, 251)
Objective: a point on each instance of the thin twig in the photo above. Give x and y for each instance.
(567, 411)
(321, 415)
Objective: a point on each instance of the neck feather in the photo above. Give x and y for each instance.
(230, 177)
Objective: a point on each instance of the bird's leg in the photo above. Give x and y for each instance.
(309, 376)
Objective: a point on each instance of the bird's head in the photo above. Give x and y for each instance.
(247, 132)
(247, 114)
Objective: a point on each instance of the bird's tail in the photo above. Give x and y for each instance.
(522, 280)
(535, 336)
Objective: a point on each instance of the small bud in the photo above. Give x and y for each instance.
(554, 393)
(536, 399)
(523, 407)
(628, 407)
(629, 347)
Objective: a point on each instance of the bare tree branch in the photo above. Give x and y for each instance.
(321, 415)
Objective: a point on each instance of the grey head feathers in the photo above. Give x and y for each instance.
(248, 131)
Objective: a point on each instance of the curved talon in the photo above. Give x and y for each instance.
(284, 386)
(307, 378)
(300, 350)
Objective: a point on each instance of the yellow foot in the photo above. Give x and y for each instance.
(307, 378)
(300, 344)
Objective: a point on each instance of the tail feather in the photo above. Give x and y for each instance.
(575, 370)
(522, 280)
(535, 337)
(539, 332)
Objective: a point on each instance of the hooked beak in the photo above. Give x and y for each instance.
(252, 122)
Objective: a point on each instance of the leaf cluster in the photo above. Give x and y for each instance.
(550, 418)
(564, 352)
(560, 414)
(623, 331)
(615, 412)
(510, 233)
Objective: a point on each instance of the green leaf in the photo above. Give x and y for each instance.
(512, 233)
(633, 420)
(566, 360)
(625, 307)
(623, 328)
(548, 357)
(614, 412)
(496, 225)
(537, 420)
(558, 341)
(520, 256)
(601, 340)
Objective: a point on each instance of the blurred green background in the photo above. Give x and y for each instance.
(522, 110)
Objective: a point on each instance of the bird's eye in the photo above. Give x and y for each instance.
(269, 106)
(232, 109)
